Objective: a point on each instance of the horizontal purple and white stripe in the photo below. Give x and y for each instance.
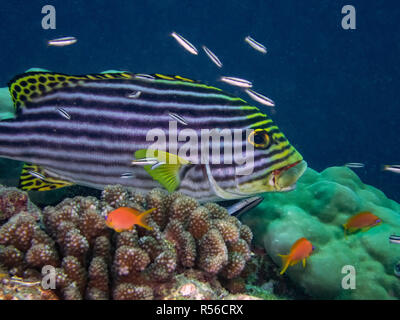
(96, 145)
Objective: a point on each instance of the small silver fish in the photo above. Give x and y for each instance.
(21, 281)
(212, 56)
(144, 76)
(184, 43)
(134, 95)
(256, 45)
(354, 165)
(127, 175)
(156, 165)
(393, 168)
(144, 161)
(243, 206)
(64, 113)
(178, 118)
(260, 98)
(394, 239)
(37, 175)
(237, 82)
(62, 42)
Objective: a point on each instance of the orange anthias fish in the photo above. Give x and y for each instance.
(300, 251)
(124, 219)
(364, 221)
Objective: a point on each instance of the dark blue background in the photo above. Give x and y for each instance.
(336, 90)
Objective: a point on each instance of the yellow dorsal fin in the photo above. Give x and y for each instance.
(166, 171)
(34, 178)
(175, 77)
(28, 86)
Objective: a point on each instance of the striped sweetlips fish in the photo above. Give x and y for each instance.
(92, 130)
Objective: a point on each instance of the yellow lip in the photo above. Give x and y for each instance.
(283, 179)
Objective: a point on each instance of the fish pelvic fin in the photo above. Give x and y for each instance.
(142, 217)
(167, 171)
(345, 230)
(35, 178)
(365, 229)
(304, 262)
(286, 261)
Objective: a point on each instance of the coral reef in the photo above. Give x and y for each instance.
(13, 201)
(317, 209)
(189, 245)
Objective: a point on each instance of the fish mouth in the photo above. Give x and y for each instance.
(285, 178)
(278, 180)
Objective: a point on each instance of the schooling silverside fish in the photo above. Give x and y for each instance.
(244, 205)
(105, 135)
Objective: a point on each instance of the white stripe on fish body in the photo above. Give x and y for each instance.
(132, 116)
(178, 118)
(134, 95)
(64, 113)
(184, 43)
(212, 56)
(256, 45)
(147, 90)
(237, 82)
(61, 42)
(394, 239)
(104, 160)
(141, 102)
(354, 165)
(260, 98)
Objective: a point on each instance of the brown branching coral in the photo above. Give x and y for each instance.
(94, 262)
(127, 291)
(98, 279)
(128, 259)
(10, 256)
(14, 201)
(42, 254)
(213, 254)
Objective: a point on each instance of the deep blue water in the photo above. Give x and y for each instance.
(336, 90)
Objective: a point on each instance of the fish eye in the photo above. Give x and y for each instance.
(260, 139)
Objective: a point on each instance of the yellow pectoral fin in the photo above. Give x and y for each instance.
(366, 229)
(304, 262)
(294, 262)
(352, 230)
(166, 171)
(35, 178)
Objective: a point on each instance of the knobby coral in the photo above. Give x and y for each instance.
(317, 209)
(92, 261)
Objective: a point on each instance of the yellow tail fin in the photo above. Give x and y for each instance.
(143, 216)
